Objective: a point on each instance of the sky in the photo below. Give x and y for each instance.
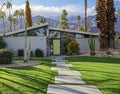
(53, 8)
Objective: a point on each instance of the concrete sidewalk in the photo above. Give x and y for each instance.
(75, 84)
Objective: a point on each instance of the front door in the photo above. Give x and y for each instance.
(56, 47)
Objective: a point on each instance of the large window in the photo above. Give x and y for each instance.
(34, 32)
(41, 32)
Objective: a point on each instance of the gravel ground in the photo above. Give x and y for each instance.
(21, 64)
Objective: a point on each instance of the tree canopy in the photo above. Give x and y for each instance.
(28, 16)
(63, 20)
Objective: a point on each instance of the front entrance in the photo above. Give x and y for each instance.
(56, 47)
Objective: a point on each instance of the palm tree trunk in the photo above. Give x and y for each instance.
(105, 21)
(17, 22)
(85, 16)
(110, 23)
(21, 22)
(4, 26)
(102, 24)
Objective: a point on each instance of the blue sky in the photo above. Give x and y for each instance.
(54, 7)
(58, 3)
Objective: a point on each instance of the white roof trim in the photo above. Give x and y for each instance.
(29, 28)
(73, 31)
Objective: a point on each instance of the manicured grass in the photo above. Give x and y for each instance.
(101, 72)
(27, 80)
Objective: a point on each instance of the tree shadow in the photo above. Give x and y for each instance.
(38, 76)
(93, 59)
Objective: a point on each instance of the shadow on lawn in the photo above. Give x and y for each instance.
(93, 59)
(105, 77)
(34, 78)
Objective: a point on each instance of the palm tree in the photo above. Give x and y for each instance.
(21, 15)
(10, 19)
(14, 23)
(2, 3)
(111, 23)
(40, 21)
(105, 20)
(16, 13)
(85, 1)
(2, 16)
(9, 6)
(118, 11)
(78, 18)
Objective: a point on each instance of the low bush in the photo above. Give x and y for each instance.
(72, 47)
(2, 43)
(6, 56)
(39, 53)
(20, 52)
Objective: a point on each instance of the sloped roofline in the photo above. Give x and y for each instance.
(28, 28)
(73, 31)
(50, 29)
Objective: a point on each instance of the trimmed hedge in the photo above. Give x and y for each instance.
(39, 53)
(6, 56)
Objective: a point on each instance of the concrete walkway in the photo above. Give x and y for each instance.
(69, 81)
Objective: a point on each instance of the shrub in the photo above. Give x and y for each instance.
(2, 43)
(6, 56)
(72, 47)
(20, 52)
(39, 53)
(108, 52)
(91, 42)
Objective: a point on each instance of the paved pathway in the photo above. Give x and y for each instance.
(69, 81)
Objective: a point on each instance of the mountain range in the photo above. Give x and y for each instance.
(54, 21)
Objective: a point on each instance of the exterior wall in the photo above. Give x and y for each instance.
(16, 43)
(117, 44)
(84, 46)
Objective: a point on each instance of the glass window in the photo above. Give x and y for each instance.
(78, 36)
(54, 34)
(41, 32)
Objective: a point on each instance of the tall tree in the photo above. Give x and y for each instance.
(40, 21)
(28, 16)
(9, 7)
(2, 16)
(111, 23)
(78, 18)
(63, 20)
(16, 14)
(2, 3)
(85, 23)
(118, 11)
(14, 23)
(21, 14)
(10, 19)
(105, 20)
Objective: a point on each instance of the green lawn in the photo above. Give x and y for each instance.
(27, 80)
(101, 72)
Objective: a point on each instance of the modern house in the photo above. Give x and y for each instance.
(48, 39)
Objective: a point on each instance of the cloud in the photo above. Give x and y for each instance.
(54, 10)
(91, 10)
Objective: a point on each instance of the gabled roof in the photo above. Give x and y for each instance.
(29, 28)
(50, 29)
(73, 31)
